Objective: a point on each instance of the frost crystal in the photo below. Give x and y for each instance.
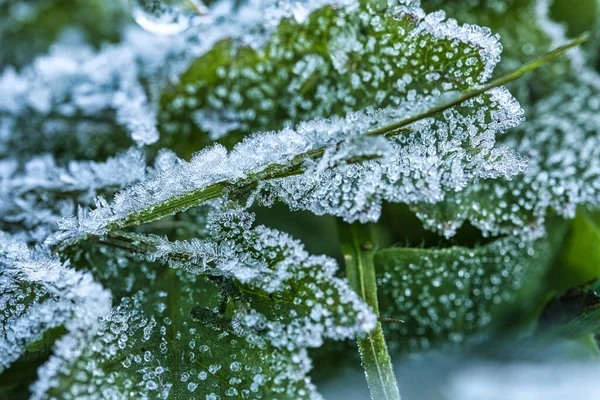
(40, 193)
(442, 155)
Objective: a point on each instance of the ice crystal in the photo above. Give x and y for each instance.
(168, 18)
(442, 155)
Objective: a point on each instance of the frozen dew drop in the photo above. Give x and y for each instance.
(168, 17)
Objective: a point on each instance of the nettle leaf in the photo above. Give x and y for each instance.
(335, 61)
(526, 29)
(293, 296)
(524, 26)
(560, 138)
(159, 345)
(232, 315)
(162, 343)
(37, 195)
(40, 295)
(446, 295)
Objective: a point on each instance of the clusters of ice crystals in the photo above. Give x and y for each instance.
(76, 93)
(147, 349)
(560, 140)
(478, 37)
(441, 155)
(437, 156)
(215, 165)
(445, 295)
(263, 260)
(80, 90)
(39, 293)
(336, 61)
(39, 193)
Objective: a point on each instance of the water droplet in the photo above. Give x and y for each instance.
(168, 17)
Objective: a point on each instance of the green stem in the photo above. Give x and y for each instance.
(511, 76)
(357, 246)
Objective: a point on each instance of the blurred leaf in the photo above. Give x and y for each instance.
(446, 295)
(572, 313)
(580, 259)
(38, 24)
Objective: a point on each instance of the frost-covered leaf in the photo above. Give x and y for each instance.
(526, 29)
(38, 293)
(293, 296)
(152, 346)
(80, 101)
(445, 295)
(433, 157)
(35, 196)
(248, 330)
(73, 99)
(560, 139)
(334, 61)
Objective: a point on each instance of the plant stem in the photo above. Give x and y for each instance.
(357, 246)
(511, 76)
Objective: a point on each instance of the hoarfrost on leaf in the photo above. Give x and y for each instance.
(336, 61)
(270, 268)
(560, 140)
(447, 295)
(40, 294)
(163, 342)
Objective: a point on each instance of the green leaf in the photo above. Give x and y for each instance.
(155, 345)
(41, 25)
(41, 299)
(295, 297)
(243, 295)
(580, 259)
(369, 57)
(524, 32)
(561, 136)
(446, 295)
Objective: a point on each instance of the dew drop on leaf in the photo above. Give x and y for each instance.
(168, 17)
